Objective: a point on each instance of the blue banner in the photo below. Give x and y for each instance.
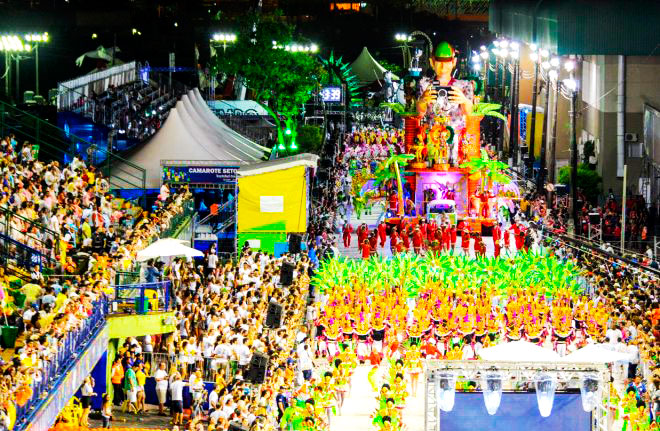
(517, 412)
(200, 174)
(62, 392)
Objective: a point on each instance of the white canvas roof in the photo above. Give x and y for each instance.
(367, 70)
(206, 113)
(188, 137)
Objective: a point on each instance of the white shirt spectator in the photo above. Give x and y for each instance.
(243, 353)
(177, 390)
(161, 379)
(633, 351)
(213, 399)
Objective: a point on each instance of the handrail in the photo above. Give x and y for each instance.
(10, 213)
(221, 209)
(72, 344)
(567, 238)
(41, 129)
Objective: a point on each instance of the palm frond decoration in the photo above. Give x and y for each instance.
(415, 273)
(488, 110)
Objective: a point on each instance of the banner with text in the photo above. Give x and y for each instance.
(200, 174)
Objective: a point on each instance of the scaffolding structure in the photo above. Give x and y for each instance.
(568, 377)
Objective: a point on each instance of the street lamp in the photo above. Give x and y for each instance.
(534, 56)
(513, 53)
(224, 39)
(297, 47)
(36, 40)
(407, 57)
(12, 46)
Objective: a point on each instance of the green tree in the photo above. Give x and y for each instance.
(282, 80)
(310, 138)
(588, 180)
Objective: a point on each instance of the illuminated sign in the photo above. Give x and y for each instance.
(331, 94)
(347, 6)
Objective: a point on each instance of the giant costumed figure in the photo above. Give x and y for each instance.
(445, 99)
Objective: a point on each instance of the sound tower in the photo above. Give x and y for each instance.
(257, 369)
(273, 315)
(286, 274)
(294, 243)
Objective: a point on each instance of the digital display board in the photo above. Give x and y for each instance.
(331, 94)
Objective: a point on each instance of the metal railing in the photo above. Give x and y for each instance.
(58, 144)
(187, 364)
(55, 368)
(176, 220)
(29, 233)
(144, 297)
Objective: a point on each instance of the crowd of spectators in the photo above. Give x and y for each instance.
(632, 297)
(82, 220)
(135, 110)
(220, 324)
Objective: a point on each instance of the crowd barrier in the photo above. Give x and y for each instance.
(52, 370)
(209, 366)
(142, 297)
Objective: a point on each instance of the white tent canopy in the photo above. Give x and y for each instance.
(518, 351)
(367, 70)
(191, 132)
(167, 247)
(596, 353)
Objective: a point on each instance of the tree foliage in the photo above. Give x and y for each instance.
(588, 180)
(282, 81)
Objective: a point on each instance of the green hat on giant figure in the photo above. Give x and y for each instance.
(444, 52)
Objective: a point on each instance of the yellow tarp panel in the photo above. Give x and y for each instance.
(273, 201)
(538, 135)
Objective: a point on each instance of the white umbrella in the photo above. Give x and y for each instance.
(167, 247)
(518, 351)
(596, 353)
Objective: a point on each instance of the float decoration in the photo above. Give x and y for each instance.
(526, 271)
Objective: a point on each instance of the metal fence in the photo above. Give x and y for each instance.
(176, 221)
(58, 144)
(156, 295)
(54, 368)
(188, 364)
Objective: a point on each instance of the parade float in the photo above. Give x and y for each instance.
(436, 167)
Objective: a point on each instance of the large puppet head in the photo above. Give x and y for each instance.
(444, 59)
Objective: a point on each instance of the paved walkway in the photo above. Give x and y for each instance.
(361, 403)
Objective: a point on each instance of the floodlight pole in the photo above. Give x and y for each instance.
(7, 74)
(36, 68)
(18, 77)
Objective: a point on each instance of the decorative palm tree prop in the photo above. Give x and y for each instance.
(384, 173)
(488, 169)
(400, 108)
(487, 110)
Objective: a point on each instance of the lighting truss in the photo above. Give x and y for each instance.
(568, 377)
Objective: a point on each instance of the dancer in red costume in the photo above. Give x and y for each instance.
(431, 229)
(516, 235)
(394, 201)
(497, 238)
(382, 233)
(465, 238)
(394, 240)
(347, 231)
(366, 249)
(373, 242)
(446, 238)
(417, 240)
